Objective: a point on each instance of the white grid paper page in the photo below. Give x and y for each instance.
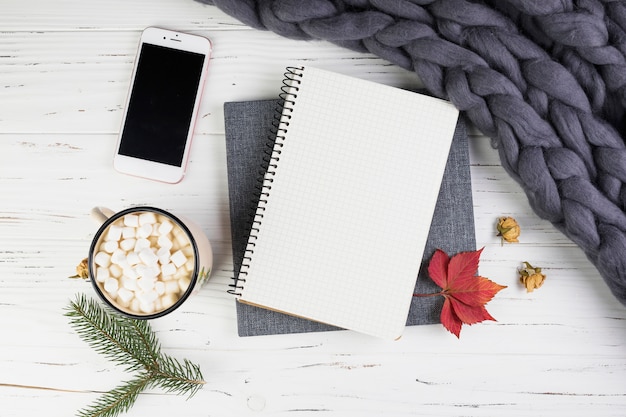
(343, 232)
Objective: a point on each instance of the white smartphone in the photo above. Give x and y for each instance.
(162, 104)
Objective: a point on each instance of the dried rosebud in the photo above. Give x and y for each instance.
(531, 277)
(508, 229)
(82, 270)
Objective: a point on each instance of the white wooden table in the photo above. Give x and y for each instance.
(64, 74)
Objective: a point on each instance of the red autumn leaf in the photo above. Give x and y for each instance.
(465, 292)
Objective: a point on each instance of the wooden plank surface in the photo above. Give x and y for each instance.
(64, 69)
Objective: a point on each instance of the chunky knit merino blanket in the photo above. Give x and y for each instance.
(545, 79)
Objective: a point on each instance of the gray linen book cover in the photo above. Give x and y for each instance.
(249, 136)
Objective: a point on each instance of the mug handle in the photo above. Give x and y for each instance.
(101, 214)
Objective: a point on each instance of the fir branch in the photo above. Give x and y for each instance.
(118, 400)
(112, 335)
(130, 343)
(147, 340)
(178, 378)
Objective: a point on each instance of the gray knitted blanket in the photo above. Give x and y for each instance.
(545, 79)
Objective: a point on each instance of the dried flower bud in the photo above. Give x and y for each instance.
(508, 229)
(82, 270)
(531, 277)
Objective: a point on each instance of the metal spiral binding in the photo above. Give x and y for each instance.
(273, 148)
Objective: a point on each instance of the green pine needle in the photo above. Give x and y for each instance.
(118, 400)
(132, 344)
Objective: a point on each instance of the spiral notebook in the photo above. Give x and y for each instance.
(346, 202)
(247, 127)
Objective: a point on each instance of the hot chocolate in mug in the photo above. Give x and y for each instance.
(144, 262)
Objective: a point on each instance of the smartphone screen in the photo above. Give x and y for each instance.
(161, 104)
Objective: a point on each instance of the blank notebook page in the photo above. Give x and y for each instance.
(341, 236)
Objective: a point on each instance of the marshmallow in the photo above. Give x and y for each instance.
(102, 273)
(130, 273)
(178, 258)
(129, 232)
(114, 232)
(147, 217)
(165, 242)
(141, 269)
(109, 246)
(168, 277)
(153, 271)
(163, 255)
(171, 287)
(115, 270)
(118, 257)
(159, 287)
(128, 244)
(181, 273)
(146, 284)
(168, 300)
(188, 251)
(155, 232)
(165, 227)
(183, 284)
(144, 231)
(147, 297)
(147, 308)
(132, 258)
(102, 259)
(131, 220)
(168, 269)
(148, 257)
(111, 285)
(120, 302)
(141, 244)
(129, 283)
(125, 295)
(181, 238)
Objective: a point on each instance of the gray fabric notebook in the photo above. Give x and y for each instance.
(248, 138)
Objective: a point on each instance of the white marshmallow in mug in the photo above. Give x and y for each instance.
(102, 259)
(178, 258)
(114, 232)
(111, 285)
(131, 220)
(110, 245)
(125, 295)
(140, 272)
(144, 231)
(128, 244)
(147, 217)
(102, 273)
(165, 227)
